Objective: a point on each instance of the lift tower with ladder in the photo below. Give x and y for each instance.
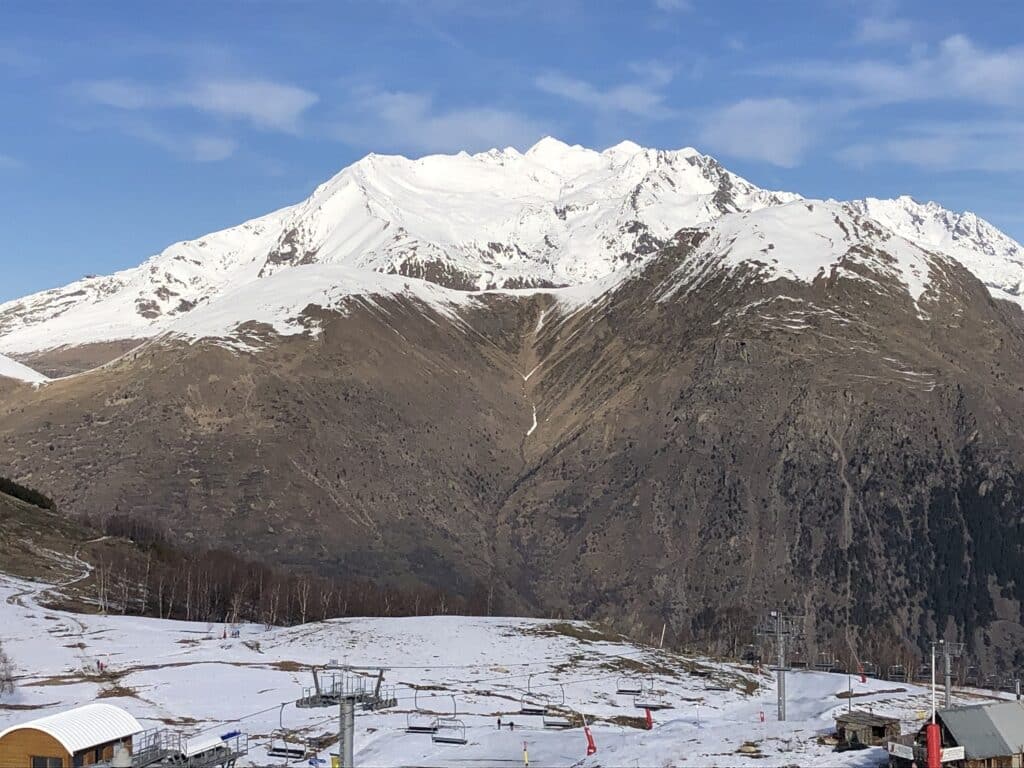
(949, 651)
(781, 627)
(349, 687)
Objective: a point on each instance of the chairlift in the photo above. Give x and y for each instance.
(556, 719)
(419, 721)
(897, 673)
(281, 745)
(449, 730)
(629, 686)
(649, 699)
(533, 703)
(972, 677)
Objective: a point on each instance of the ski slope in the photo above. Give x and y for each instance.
(189, 677)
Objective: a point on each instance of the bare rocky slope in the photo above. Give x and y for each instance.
(792, 407)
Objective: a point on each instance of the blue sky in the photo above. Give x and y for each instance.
(128, 126)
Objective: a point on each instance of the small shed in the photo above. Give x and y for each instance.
(858, 727)
(991, 735)
(77, 737)
(978, 736)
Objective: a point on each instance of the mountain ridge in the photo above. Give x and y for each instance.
(555, 215)
(788, 406)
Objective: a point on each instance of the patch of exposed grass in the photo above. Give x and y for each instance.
(626, 721)
(585, 633)
(117, 691)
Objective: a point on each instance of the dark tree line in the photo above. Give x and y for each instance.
(155, 578)
(26, 494)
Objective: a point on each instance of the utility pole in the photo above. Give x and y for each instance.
(949, 652)
(781, 627)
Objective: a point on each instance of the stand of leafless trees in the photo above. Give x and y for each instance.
(154, 578)
(6, 672)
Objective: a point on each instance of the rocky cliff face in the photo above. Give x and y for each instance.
(793, 406)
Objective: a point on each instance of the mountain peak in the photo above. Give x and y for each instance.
(556, 215)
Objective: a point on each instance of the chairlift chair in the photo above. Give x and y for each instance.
(533, 703)
(281, 745)
(648, 699)
(629, 686)
(556, 719)
(898, 673)
(450, 730)
(419, 721)
(825, 662)
(971, 677)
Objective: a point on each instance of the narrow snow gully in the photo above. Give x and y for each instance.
(528, 360)
(534, 425)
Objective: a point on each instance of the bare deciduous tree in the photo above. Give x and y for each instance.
(6, 672)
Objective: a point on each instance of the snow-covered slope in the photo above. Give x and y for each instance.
(556, 215)
(12, 369)
(995, 258)
(805, 240)
(191, 678)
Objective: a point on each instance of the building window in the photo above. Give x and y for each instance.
(47, 762)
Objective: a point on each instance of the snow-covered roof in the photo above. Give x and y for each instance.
(84, 727)
(199, 744)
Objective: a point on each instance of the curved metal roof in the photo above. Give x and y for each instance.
(84, 727)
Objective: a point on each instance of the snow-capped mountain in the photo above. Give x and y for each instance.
(806, 240)
(995, 258)
(554, 216)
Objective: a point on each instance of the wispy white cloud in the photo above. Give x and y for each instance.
(776, 131)
(411, 121)
(956, 70)
(883, 29)
(644, 96)
(992, 146)
(734, 43)
(9, 163)
(671, 6)
(199, 148)
(263, 103)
